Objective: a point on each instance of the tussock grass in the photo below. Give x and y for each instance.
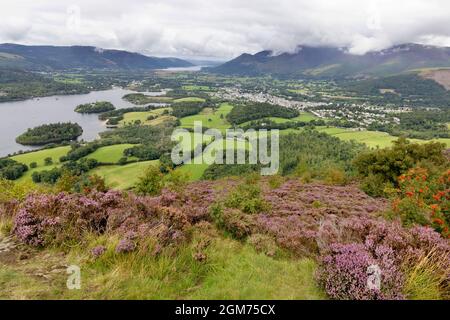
(428, 279)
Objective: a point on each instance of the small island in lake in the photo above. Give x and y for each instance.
(50, 133)
(95, 107)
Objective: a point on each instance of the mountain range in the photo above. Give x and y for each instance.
(48, 58)
(326, 62)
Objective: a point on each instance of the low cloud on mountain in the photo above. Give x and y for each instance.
(225, 28)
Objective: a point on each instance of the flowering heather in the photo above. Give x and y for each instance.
(344, 273)
(299, 210)
(98, 251)
(125, 245)
(338, 225)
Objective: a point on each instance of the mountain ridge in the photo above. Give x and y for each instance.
(337, 62)
(48, 58)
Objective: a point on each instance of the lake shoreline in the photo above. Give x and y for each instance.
(17, 116)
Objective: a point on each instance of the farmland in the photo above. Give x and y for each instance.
(210, 118)
(123, 177)
(110, 154)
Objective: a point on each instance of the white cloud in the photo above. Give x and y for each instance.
(225, 28)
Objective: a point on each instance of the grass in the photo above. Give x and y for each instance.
(196, 88)
(38, 157)
(303, 117)
(210, 118)
(232, 270)
(122, 177)
(194, 171)
(110, 154)
(241, 273)
(189, 99)
(132, 117)
(372, 139)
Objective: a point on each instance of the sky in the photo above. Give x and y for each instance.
(223, 29)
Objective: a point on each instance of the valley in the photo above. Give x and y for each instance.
(362, 176)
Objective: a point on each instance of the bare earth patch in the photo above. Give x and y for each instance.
(440, 76)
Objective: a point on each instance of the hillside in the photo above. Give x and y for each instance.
(321, 62)
(79, 57)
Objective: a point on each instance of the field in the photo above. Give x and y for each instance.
(189, 99)
(123, 177)
(110, 154)
(196, 88)
(372, 139)
(132, 117)
(38, 157)
(210, 118)
(194, 171)
(303, 117)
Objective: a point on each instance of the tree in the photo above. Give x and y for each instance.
(48, 161)
(151, 183)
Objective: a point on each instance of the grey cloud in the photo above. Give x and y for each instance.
(226, 28)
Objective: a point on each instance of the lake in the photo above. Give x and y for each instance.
(16, 117)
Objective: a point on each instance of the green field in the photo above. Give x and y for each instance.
(110, 154)
(194, 171)
(132, 117)
(303, 117)
(123, 177)
(38, 157)
(210, 118)
(189, 99)
(372, 139)
(196, 88)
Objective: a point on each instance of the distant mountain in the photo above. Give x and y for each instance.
(320, 62)
(76, 57)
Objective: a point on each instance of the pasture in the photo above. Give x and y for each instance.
(110, 154)
(210, 118)
(123, 177)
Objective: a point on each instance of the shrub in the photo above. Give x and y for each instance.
(355, 243)
(151, 183)
(375, 185)
(344, 272)
(248, 198)
(384, 166)
(275, 181)
(11, 169)
(98, 251)
(335, 176)
(176, 180)
(33, 165)
(237, 224)
(264, 243)
(216, 212)
(125, 246)
(424, 199)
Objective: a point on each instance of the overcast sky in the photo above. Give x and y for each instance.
(225, 28)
